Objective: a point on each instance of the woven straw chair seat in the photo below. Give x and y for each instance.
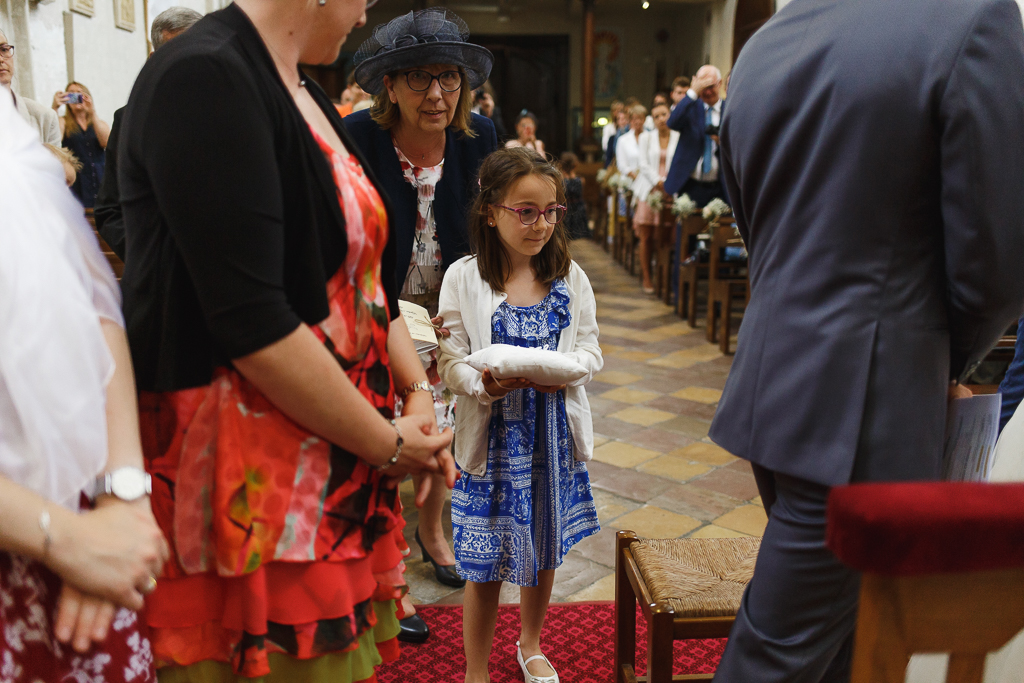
(697, 577)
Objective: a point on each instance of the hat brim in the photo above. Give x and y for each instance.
(474, 59)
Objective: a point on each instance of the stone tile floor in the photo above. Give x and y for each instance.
(654, 470)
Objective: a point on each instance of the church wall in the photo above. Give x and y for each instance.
(104, 58)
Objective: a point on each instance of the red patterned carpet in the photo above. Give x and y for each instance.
(577, 639)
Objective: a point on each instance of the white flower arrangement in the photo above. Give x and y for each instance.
(620, 182)
(683, 205)
(715, 208)
(656, 200)
(602, 175)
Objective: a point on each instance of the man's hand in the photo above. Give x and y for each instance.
(958, 391)
(703, 81)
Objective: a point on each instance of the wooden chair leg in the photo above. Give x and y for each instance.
(726, 320)
(681, 295)
(711, 330)
(965, 668)
(625, 610)
(659, 644)
(691, 316)
(880, 651)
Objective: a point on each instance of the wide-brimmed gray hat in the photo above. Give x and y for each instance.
(428, 36)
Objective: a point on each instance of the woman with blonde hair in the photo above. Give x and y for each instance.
(86, 135)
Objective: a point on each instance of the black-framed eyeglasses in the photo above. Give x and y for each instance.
(419, 80)
(529, 215)
(6, 50)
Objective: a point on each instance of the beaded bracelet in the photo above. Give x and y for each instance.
(398, 448)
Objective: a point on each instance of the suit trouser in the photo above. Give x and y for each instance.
(797, 618)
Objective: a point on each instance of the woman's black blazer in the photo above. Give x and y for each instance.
(452, 196)
(232, 219)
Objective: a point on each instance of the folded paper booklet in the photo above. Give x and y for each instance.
(972, 425)
(420, 328)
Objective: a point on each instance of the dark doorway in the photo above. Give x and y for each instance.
(750, 16)
(532, 72)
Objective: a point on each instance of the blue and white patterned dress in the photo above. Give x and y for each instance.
(534, 501)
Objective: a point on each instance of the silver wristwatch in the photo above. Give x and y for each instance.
(126, 483)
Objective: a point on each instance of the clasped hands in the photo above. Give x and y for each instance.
(108, 558)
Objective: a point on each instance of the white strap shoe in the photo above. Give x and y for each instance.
(527, 676)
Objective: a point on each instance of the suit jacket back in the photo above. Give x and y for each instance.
(872, 153)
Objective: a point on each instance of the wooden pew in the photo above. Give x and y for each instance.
(663, 249)
(116, 264)
(726, 281)
(690, 273)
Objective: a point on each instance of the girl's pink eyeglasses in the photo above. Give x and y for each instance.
(528, 215)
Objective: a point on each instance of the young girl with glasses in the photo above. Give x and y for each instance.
(524, 498)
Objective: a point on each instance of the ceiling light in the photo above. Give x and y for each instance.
(603, 121)
(646, 4)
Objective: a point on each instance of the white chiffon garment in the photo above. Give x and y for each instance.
(1007, 664)
(55, 285)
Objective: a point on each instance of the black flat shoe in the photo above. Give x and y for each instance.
(413, 630)
(445, 573)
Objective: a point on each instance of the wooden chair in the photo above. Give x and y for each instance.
(692, 272)
(631, 252)
(116, 264)
(663, 249)
(727, 281)
(687, 588)
(622, 226)
(943, 571)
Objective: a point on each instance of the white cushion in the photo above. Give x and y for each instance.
(540, 366)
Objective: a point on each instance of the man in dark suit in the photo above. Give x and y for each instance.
(883, 213)
(697, 116)
(167, 25)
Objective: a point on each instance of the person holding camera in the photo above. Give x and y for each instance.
(86, 135)
(694, 169)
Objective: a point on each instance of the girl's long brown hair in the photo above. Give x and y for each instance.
(498, 173)
(70, 122)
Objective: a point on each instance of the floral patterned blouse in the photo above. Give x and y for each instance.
(425, 271)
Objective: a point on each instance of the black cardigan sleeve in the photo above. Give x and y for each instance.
(215, 178)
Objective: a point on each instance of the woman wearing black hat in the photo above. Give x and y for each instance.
(269, 349)
(425, 145)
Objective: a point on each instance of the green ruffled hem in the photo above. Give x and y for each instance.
(346, 667)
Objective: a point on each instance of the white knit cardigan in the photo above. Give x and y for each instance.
(467, 305)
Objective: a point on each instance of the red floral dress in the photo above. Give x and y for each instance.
(281, 541)
(28, 650)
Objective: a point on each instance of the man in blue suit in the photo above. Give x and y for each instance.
(697, 116)
(874, 178)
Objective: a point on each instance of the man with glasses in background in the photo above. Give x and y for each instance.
(40, 117)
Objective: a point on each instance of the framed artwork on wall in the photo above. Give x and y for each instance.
(124, 14)
(85, 7)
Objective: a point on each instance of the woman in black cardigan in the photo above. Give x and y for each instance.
(265, 331)
(425, 145)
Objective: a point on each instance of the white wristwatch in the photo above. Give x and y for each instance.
(126, 483)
